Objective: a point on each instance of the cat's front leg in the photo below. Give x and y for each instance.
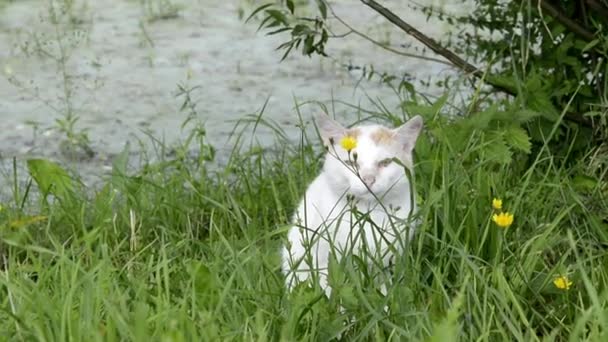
(306, 263)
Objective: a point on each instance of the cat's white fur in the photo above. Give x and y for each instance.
(324, 223)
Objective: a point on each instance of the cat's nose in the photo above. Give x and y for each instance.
(369, 179)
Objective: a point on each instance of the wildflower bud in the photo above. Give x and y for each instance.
(355, 155)
(331, 141)
(497, 203)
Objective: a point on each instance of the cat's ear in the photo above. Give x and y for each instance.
(407, 134)
(330, 130)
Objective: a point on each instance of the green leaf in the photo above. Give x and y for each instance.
(203, 278)
(300, 30)
(282, 29)
(322, 8)
(408, 87)
(518, 138)
(308, 48)
(257, 10)
(425, 110)
(278, 16)
(448, 329)
(288, 50)
(438, 105)
(584, 183)
(50, 177)
(290, 6)
(525, 115)
(481, 120)
(496, 149)
(507, 82)
(540, 129)
(557, 30)
(348, 296)
(590, 45)
(572, 61)
(540, 102)
(336, 277)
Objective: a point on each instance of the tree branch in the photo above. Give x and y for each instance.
(433, 45)
(598, 7)
(455, 59)
(558, 14)
(384, 46)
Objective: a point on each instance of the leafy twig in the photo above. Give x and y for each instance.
(455, 59)
(433, 45)
(384, 46)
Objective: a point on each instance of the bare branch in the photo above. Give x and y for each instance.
(433, 45)
(598, 7)
(455, 59)
(384, 46)
(558, 14)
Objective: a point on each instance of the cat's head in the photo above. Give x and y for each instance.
(370, 164)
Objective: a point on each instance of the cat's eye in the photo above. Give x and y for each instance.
(385, 162)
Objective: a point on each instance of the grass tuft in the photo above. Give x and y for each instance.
(183, 250)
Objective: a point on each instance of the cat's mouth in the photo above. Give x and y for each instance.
(369, 193)
(363, 192)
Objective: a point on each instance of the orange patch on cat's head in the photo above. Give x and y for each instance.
(383, 136)
(353, 132)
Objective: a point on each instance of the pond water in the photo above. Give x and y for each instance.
(117, 70)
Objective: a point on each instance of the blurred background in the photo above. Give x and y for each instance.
(82, 78)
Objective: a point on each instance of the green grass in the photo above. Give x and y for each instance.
(183, 251)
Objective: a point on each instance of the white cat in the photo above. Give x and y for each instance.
(366, 177)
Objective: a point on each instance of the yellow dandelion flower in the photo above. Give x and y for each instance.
(503, 220)
(348, 143)
(562, 283)
(497, 203)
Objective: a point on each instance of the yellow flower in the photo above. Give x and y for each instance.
(497, 203)
(562, 283)
(348, 143)
(503, 219)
